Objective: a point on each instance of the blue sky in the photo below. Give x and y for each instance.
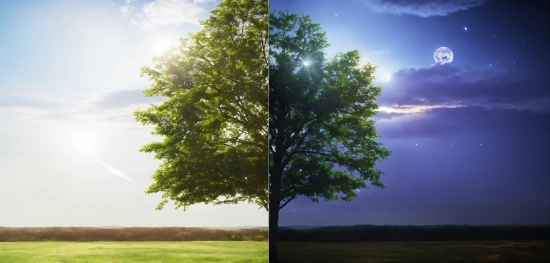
(70, 80)
(469, 138)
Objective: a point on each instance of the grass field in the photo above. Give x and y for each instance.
(105, 252)
(421, 252)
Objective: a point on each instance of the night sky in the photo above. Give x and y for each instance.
(470, 139)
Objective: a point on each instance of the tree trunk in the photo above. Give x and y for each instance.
(273, 229)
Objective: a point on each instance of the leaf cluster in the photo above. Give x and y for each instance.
(321, 138)
(214, 122)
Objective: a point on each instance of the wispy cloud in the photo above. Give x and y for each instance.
(422, 8)
(121, 118)
(169, 12)
(424, 89)
(125, 9)
(27, 102)
(112, 106)
(124, 98)
(408, 109)
(114, 170)
(445, 122)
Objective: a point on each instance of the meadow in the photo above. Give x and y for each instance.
(132, 244)
(354, 244)
(148, 251)
(416, 252)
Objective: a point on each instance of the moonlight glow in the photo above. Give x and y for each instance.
(443, 55)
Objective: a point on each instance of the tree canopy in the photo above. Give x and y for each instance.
(214, 123)
(321, 135)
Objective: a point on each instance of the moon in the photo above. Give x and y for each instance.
(443, 55)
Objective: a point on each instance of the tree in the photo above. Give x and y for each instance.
(214, 122)
(319, 114)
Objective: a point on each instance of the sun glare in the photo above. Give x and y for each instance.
(85, 141)
(161, 45)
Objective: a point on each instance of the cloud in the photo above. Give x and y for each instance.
(202, 1)
(121, 118)
(26, 102)
(123, 98)
(442, 122)
(111, 106)
(114, 170)
(422, 8)
(387, 115)
(45, 110)
(125, 9)
(418, 90)
(169, 12)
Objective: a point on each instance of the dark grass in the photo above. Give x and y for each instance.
(130, 234)
(513, 251)
(373, 233)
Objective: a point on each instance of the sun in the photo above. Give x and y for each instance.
(162, 44)
(85, 141)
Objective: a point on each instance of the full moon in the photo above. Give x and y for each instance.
(443, 55)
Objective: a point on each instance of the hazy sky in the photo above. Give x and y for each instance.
(470, 139)
(69, 77)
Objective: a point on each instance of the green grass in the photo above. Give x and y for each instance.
(421, 252)
(105, 252)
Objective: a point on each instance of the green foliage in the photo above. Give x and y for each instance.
(319, 116)
(214, 122)
(130, 234)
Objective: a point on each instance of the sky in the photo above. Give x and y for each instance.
(69, 82)
(469, 139)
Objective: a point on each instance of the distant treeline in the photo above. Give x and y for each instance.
(366, 233)
(130, 234)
